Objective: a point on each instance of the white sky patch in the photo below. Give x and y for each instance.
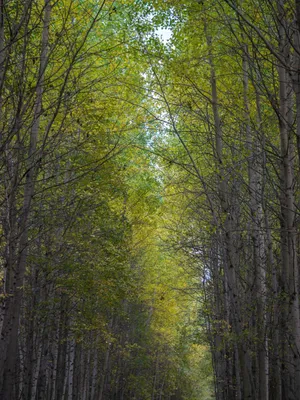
(164, 34)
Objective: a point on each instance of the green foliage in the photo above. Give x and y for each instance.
(101, 274)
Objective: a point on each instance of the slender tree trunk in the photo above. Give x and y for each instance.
(104, 373)
(153, 396)
(255, 172)
(71, 368)
(55, 363)
(86, 370)
(290, 268)
(296, 76)
(37, 366)
(94, 375)
(66, 376)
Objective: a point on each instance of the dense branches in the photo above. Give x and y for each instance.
(139, 180)
(234, 97)
(89, 308)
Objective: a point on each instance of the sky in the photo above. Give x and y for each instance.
(164, 34)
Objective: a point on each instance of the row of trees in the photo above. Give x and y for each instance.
(97, 231)
(230, 102)
(88, 307)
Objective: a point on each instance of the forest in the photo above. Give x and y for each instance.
(149, 199)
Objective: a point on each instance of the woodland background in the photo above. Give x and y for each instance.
(149, 200)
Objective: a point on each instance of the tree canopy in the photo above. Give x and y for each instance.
(149, 199)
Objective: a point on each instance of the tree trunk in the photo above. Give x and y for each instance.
(104, 373)
(71, 368)
(36, 372)
(255, 173)
(290, 272)
(55, 362)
